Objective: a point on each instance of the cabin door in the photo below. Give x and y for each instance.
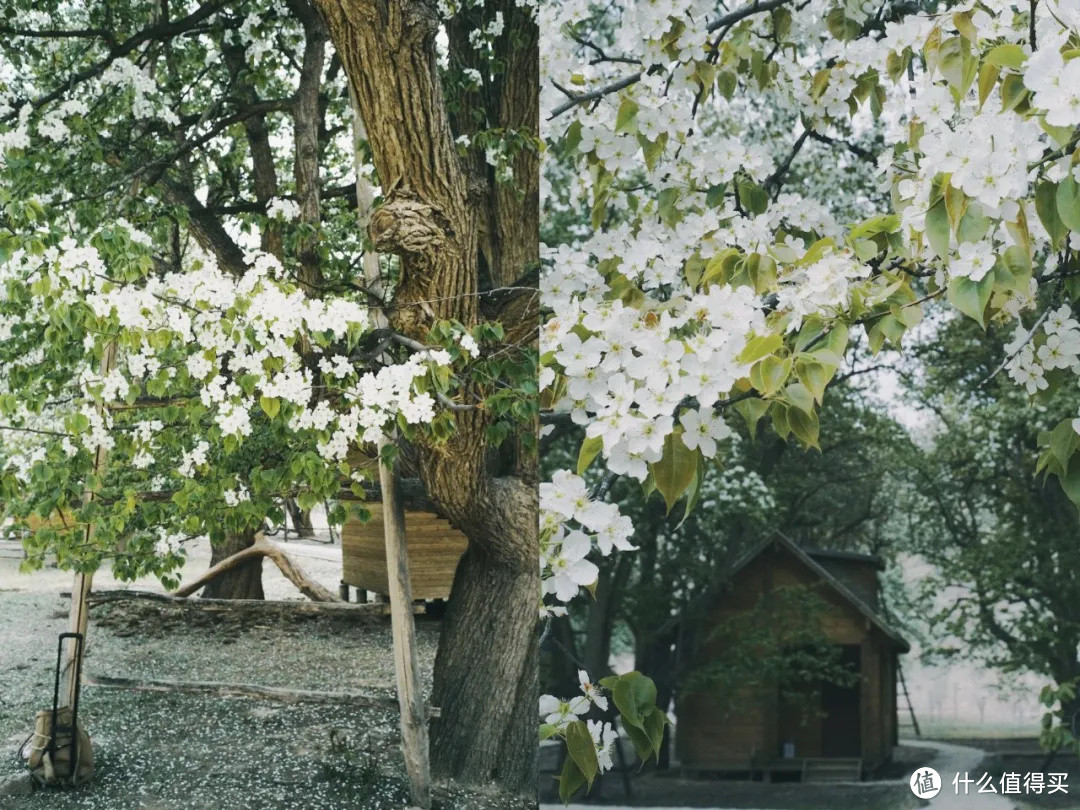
(841, 725)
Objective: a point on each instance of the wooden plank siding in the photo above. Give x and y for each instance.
(434, 549)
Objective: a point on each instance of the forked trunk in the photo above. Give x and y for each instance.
(486, 681)
(243, 582)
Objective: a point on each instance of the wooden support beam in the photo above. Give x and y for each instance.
(80, 589)
(414, 716)
(414, 730)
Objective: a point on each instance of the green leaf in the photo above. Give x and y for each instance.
(967, 29)
(836, 340)
(752, 197)
(634, 696)
(271, 406)
(973, 225)
(882, 223)
(769, 374)
(800, 396)
(655, 723)
(805, 426)
(571, 780)
(896, 65)
(1063, 441)
(759, 347)
(626, 117)
(1013, 92)
(1068, 202)
(652, 150)
(1070, 481)
(695, 490)
(841, 26)
(1006, 56)
(675, 471)
(590, 448)
(726, 82)
(648, 738)
(956, 63)
(752, 410)
(582, 750)
(815, 376)
(781, 424)
(971, 297)
(988, 76)
(1046, 208)
(1061, 135)
(956, 203)
(938, 228)
(816, 251)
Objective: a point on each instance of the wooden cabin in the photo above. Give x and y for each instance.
(434, 548)
(851, 730)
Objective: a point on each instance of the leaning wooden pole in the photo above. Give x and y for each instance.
(411, 703)
(80, 590)
(414, 730)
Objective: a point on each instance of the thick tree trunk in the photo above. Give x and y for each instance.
(242, 582)
(485, 680)
(486, 684)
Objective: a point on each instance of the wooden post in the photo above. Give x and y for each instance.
(414, 730)
(80, 590)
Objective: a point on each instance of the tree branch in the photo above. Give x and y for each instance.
(164, 30)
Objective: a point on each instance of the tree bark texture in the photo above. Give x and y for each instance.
(436, 209)
(241, 582)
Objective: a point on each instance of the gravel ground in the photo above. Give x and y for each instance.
(673, 793)
(171, 751)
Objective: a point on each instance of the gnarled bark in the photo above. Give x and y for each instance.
(432, 217)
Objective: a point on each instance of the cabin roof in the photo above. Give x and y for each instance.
(780, 540)
(850, 556)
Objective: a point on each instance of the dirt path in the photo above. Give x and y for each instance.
(960, 760)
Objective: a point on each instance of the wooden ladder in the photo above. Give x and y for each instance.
(914, 724)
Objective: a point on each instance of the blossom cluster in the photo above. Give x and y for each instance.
(559, 714)
(237, 344)
(571, 524)
(1058, 347)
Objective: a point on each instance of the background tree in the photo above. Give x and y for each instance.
(178, 182)
(999, 535)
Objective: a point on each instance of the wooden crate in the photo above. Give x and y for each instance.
(434, 548)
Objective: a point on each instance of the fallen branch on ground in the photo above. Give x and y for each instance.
(263, 548)
(279, 606)
(386, 701)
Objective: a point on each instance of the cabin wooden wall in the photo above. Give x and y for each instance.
(872, 700)
(706, 737)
